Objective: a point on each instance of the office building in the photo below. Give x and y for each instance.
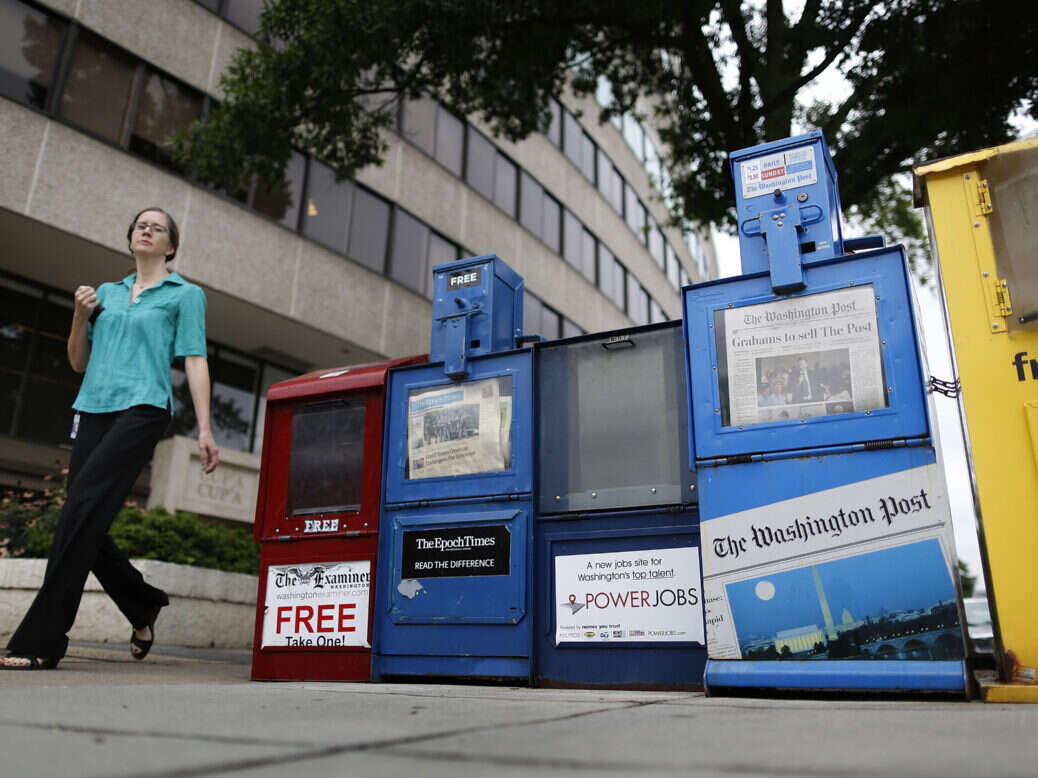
(313, 274)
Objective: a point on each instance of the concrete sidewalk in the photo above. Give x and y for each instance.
(195, 713)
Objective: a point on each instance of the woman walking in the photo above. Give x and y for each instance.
(124, 336)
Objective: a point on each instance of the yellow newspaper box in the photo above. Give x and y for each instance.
(982, 214)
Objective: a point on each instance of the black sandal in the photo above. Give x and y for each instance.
(144, 646)
(35, 663)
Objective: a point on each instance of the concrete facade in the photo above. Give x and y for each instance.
(178, 483)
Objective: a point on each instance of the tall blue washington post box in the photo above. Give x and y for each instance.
(828, 557)
(453, 596)
(618, 595)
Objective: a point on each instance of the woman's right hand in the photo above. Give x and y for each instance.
(86, 301)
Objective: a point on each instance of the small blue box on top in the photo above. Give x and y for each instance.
(477, 310)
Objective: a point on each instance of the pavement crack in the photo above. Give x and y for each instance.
(114, 732)
(390, 745)
(537, 763)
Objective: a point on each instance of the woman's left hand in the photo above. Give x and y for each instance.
(208, 452)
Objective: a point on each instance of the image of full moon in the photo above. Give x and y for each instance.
(765, 590)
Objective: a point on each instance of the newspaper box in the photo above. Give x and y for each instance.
(806, 381)
(317, 524)
(618, 587)
(980, 208)
(455, 542)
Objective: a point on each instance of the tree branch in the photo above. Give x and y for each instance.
(706, 75)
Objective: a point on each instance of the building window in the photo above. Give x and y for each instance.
(450, 141)
(441, 251)
(604, 92)
(684, 277)
(634, 211)
(570, 329)
(418, 122)
(37, 385)
(554, 132)
(18, 318)
(326, 214)
(673, 268)
(505, 183)
(281, 202)
(693, 243)
(531, 315)
(98, 88)
(656, 314)
(234, 392)
(164, 108)
(610, 182)
(652, 164)
(578, 146)
(572, 138)
(656, 242)
(637, 301)
(695, 247)
(479, 164)
(605, 271)
(270, 376)
(572, 239)
(51, 385)
(587, 256)
(531, 207)
(635, 136)
(239, 401)
(369, 231)
(587, 157)
(30, 45)
(408, 261)
(620, 284)
(551, 323)
(610, 276)
(551, 224)
(244, 14)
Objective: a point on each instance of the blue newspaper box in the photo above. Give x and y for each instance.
(477, 310)
(618, 590)
(828, 558)
(455, 550)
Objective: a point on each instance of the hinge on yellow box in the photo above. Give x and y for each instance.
(983, 198)
(1005, 305)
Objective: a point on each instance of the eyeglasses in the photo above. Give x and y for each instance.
(156, 229)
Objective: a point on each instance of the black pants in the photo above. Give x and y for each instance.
(109, 453)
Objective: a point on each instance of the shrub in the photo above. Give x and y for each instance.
(28, 519)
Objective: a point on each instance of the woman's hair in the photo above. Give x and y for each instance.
(174, 231)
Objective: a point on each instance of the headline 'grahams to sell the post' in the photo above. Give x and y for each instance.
(795, 358)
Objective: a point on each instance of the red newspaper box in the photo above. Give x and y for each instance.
(317, 515)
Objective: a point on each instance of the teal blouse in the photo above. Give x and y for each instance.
(132, 345)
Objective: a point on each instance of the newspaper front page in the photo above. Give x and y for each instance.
(813, 355)
(460, 429)
(857, 571)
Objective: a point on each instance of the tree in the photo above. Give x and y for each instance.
(920, 79)
(967, 581)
